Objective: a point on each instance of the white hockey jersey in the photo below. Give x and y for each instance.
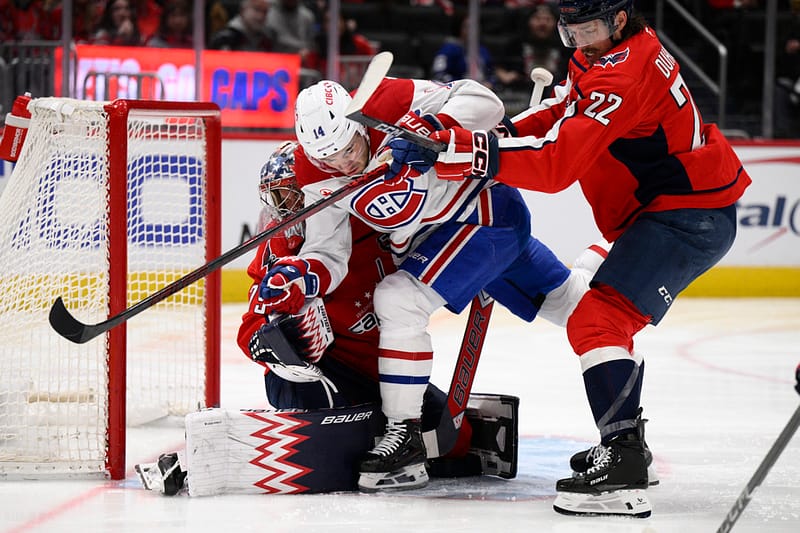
(412, 208)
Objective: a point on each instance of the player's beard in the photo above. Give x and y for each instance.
(592, 53)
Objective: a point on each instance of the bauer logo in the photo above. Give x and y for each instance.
(343, 419)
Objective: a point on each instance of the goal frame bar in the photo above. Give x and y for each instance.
(118, 112)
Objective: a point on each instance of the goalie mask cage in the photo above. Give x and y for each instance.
(108, 203)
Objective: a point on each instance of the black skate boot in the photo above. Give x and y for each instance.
(613, 485)
(398, 461)
(165, 476)
(583, 460)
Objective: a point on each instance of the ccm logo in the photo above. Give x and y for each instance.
(343, 419)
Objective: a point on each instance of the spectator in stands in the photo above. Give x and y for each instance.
(350, 44)
(451, 63)
(247, 30)
(118, 27)
(539, 47)
(148, 15)
(294, 28)
(787, 83)
(29, 20)
(175, 29)
(217, 17)
(86, 18)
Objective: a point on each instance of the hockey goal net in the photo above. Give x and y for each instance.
(108, 203)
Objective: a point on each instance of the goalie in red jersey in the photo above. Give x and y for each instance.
(662, 186)
(321, 368)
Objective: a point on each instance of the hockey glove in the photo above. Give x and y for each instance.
(287, 284)
(409, 159)
(469, 154)
(264, 348)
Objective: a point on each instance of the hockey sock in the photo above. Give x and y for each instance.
(613, 381)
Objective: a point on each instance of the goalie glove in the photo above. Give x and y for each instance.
(287, 285)
(289, 344)
(469, 154)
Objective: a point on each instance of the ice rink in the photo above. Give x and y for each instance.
(717, 390)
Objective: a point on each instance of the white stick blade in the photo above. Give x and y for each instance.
(376, 71)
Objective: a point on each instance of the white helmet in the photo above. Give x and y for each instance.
(319, 120)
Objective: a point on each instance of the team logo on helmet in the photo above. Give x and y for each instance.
(389, 206)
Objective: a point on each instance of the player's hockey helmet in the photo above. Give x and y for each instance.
(320, 123)
(278, 186)
(576, 16)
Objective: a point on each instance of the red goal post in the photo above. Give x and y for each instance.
(108, 203)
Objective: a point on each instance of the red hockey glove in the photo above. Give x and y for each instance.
(287, 285)
(469, 154)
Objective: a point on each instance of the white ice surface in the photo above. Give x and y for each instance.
(717, 390)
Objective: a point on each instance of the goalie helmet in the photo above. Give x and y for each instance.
(583, 22)
(320, 123)
(278, 186)
(282, 196)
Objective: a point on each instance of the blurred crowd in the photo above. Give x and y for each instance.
(428, 37)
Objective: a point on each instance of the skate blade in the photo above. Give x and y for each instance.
(150, 476)
(409, 477)
(652, 476)
(617, 503)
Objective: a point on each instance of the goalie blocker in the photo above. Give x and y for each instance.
(292, 452)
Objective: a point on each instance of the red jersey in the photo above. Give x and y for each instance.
(350, 310)
(627, 129)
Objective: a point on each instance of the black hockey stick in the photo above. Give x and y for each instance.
(72, 329)
(765, 466)
(441, 440)
(373, 76)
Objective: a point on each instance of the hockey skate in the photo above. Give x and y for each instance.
(165, 476)
(583, 460)
(397, 462)
(613, 485)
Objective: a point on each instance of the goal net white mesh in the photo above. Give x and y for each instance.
(55, 214)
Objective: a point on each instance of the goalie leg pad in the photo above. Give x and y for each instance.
(278, 452)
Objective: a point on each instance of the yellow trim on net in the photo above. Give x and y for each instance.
(717, 282)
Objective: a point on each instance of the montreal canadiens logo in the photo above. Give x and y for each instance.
(389, 206)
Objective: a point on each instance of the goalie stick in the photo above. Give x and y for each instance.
(76, 331)
(765, 466)
(441, 440)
